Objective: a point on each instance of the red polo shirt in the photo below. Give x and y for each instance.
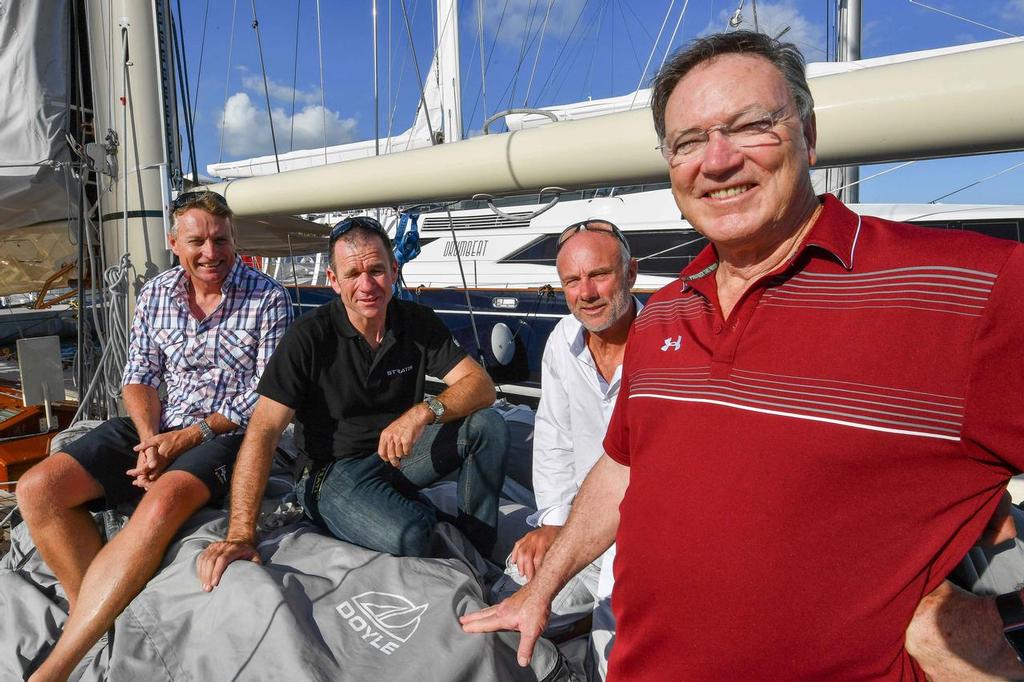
(802, 473)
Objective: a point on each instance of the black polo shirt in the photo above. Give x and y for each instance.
(345, 394)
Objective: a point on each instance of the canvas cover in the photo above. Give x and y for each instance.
(34, 64)
(317, 609)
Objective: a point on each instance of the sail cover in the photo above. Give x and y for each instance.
(34, 64)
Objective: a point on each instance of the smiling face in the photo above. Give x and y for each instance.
(595, 282)
(205, 246)
(741, 197)
(363, 275)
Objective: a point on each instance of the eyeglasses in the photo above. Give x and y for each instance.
(365, 222)
(187, 199)
(590, 225)
(749, 128)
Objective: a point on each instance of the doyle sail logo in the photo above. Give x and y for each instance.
(384, 621)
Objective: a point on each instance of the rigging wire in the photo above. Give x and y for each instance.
(587, 86)
(376, 89)
(978, 182)
(483, 66)
(536, 58)
(650, 57)
(672, 38)
(320, 56)
(957, 16)
(227, 78)
(558, 57)
(523, 49)
(178, 47)
(295, 76)
(419, 76)
(632, 44)
(494, 44)
(266, 88)
(202, 51)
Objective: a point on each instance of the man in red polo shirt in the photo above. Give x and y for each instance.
(812, 427)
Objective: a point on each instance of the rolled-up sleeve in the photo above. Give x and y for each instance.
(274, 317)
(145, 359)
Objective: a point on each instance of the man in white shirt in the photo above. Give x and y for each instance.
(580, 380)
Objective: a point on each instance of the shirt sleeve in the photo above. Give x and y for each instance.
(442, 353)
(274, 318)
(145, 359)
(554, 481)
(994, 422)
(290, 371)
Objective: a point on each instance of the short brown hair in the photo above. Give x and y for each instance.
(785, 57)
(211, 202)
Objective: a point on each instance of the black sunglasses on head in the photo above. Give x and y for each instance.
(364, 222)
(186, 199)
(590, 225)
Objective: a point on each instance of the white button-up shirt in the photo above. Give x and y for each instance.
(575, 406)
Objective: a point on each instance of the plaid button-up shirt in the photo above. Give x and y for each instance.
(210, 365)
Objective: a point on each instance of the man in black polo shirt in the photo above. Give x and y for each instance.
(352, 374)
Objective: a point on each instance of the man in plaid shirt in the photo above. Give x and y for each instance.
(205, 329)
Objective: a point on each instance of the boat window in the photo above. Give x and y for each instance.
(660, 252)
(1004, 229)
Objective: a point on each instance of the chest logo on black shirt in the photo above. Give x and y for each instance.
(399, 370)
(672, 344)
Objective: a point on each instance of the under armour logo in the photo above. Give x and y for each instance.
(674, 344)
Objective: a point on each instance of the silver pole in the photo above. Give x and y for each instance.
(376, 94)
(849, 51)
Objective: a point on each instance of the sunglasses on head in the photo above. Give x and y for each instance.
(591, 225)
(186, 199)
(348, 224)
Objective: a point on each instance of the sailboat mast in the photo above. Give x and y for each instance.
(133, 98)
(849, 51)
(448, 68)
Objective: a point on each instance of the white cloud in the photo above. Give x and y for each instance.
(246, 129)
(523, 15)
(1013, 10)
(773, 18)
(279, 92)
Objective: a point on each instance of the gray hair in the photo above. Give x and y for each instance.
(785, 57)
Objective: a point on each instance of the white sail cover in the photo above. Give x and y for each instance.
(34, 70)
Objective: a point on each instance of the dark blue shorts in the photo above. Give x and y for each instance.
(106, 454)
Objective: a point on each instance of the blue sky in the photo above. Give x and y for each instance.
(589, 48)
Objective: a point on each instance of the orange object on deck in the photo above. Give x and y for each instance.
(23, 436)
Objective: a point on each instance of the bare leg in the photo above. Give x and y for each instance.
(123, 567)
(51, 497)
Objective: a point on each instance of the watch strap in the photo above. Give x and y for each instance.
(437, 407)
(206, 430)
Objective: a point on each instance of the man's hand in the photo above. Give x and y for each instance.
(149, 465)
(956, 635)
(214, 560)
(523, 611)
(159, 450)
(397, 439)
(529, 550)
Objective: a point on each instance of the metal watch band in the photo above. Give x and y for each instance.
(204, 428)
(437, 407)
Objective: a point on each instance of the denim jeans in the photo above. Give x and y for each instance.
(366, 501)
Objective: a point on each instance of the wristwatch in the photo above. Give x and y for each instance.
(205, 430)
(437, 407)
(1011, 611)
